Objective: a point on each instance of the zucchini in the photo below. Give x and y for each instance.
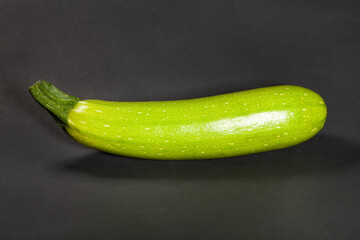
(219, 126)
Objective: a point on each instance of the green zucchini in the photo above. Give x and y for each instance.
(219, 126)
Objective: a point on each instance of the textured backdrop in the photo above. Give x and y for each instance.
(54, 188)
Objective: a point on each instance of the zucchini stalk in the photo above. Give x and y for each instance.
(56, 102)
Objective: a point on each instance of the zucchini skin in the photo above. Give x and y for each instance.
(219, 126)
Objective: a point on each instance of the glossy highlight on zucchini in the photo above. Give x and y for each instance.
(219, 126)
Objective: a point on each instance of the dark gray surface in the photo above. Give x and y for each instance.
(54, 188)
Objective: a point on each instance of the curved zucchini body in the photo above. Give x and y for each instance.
(219, 126)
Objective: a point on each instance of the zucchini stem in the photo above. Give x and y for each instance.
(56, 102)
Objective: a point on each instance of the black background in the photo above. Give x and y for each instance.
(54, 188)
